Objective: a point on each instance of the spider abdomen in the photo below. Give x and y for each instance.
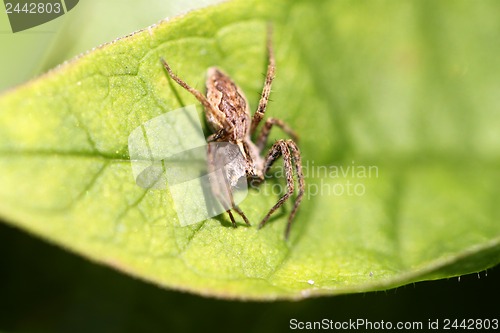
(227, 98)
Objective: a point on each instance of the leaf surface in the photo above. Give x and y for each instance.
(396, 108)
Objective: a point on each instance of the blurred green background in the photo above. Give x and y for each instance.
(45, 289)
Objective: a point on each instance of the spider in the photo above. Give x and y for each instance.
(228, 115)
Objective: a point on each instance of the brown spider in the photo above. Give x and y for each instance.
(228, 114)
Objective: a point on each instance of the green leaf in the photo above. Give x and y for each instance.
(71, 34)
(396, 105)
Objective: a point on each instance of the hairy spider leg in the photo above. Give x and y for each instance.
(266, 90)
(300, 179)
(264, 133)
(228, 194)
(202, 99)
(283, 148)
